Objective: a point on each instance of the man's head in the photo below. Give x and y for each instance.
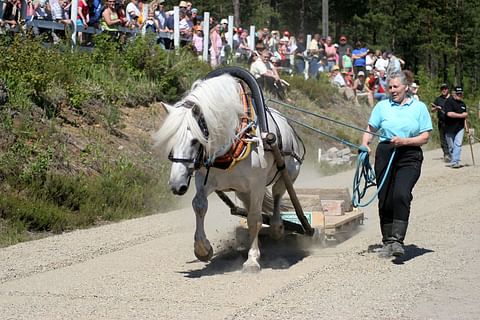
(343, 40)
(265, 55)
(335, 69)
(414, 87)
(458, 92)
(444, 89)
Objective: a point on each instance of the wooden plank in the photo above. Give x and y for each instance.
(336, 221)
(333, 207)
(329, 194)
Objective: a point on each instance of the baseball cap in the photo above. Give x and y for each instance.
(224, 21)
(414, 85)
(194, 10)
(360, 73)
(335, 68)
(458, 90)
(443, 86)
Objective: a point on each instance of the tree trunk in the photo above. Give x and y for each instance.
(236, 13)
(302, 16)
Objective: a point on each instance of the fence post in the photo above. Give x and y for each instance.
(1, 10)
(307, 64)
(176, 27)
(230, 39)
(251, 38)
(206, 35)
(23, 14)
(73, 17)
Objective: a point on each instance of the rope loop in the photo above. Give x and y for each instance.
(365, 178)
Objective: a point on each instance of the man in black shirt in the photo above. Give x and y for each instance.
(455, 115)
(438, 106)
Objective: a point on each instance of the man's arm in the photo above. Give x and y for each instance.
(452, 114)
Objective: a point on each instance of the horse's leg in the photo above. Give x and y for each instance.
(278, 190)
(254, 221)
(202, 248)
(276, 222)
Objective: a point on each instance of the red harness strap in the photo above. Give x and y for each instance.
(239, 147)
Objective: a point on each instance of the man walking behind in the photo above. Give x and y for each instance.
(455, 116)
(438, 106)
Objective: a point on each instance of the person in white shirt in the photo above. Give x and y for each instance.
(133, 13)
(337, 78)
(266, 74)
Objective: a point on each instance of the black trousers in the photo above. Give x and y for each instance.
(443, 140)
(395, 197)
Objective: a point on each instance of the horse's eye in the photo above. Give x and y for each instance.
(194, 142)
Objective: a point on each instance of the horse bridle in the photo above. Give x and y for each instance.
(198, 160)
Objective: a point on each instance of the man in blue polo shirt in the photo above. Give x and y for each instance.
(359, 60)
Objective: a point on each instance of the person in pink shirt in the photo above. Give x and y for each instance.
(216, 46)
(197, 40)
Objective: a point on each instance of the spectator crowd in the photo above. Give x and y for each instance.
(359, 73)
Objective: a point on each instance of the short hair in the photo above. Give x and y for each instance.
(399, 75)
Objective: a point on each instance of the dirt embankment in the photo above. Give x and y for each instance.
(145, 268)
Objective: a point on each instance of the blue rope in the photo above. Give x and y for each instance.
(365, 178)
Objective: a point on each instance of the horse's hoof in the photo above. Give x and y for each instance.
(277, 232)
(251, 267)
(206, 257)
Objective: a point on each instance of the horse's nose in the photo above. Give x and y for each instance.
(180, 191)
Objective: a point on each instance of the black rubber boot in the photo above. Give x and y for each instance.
(386, 232)
(399, 229)
(386, 250)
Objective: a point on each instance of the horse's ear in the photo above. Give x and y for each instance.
(167, 107)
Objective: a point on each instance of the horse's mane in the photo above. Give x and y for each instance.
(220, 104)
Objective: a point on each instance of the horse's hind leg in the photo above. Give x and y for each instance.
(202, 248)
(254, 221)
(276, 222)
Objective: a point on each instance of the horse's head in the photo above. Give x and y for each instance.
(186, 157)
(202, 125)
(187, 153)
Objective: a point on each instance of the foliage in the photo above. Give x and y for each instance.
(45, 183)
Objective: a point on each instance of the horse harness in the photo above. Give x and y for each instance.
(240, 149)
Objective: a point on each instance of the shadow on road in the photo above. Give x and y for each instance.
(411, 251)
(276, 254)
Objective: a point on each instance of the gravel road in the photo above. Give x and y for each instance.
(145, 268)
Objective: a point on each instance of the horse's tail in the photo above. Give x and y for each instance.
(267, 204)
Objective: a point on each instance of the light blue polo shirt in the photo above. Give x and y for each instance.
(404, 121)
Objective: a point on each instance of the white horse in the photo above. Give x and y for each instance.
(201, 127)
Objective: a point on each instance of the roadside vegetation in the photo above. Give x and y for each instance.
(75, 147)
